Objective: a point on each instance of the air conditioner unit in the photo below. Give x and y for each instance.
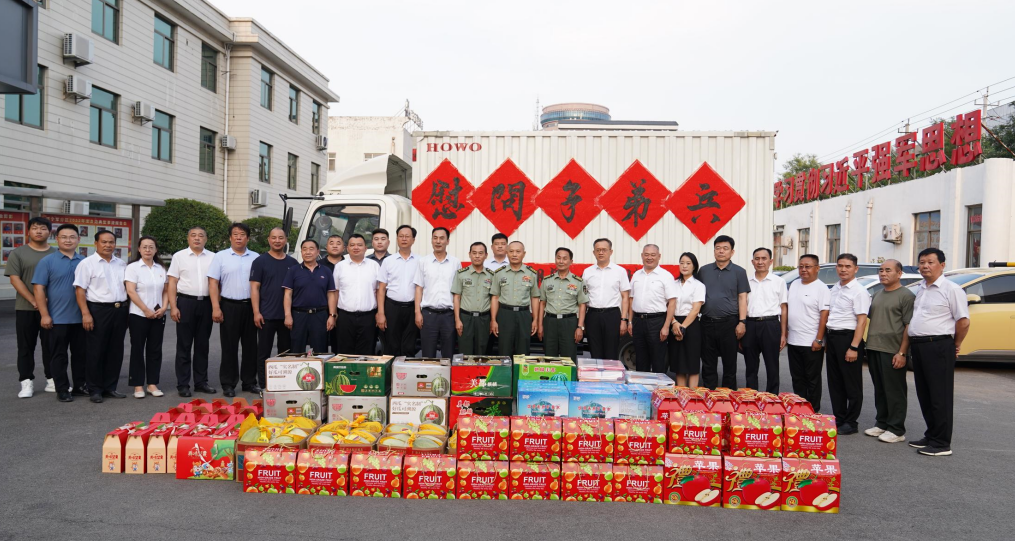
(227, 142)
(892, 233)
(788, 244)
(258, 198)
(77, 48)
(322, 142)
(144, 111)
(77, 208)
(78, 87)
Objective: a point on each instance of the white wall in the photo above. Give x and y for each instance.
(351, 137)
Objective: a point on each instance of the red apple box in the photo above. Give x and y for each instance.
(752, 483)
(693, 480)
(796, 404)
(588, 440)
(322, 471)
(639, 441)
(664, 403)
(535, 481)
(586, 482)
(483, 438)
(696, 433)
(810, 436)
(636, 483)
(430, 477)
(813, 486)
(536, 439)
(483, 479)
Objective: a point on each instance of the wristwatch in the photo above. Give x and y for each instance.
(624, 319)
(582, 328)
(744, 321)
(853, 348)
(820, 342)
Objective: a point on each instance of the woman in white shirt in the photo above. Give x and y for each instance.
(685, 340)
(145, 279)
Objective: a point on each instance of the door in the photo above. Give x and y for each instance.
(992, 321)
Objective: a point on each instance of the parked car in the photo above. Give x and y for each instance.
(873, 284)
(827, 274)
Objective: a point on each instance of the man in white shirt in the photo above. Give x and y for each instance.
(102, 298)
(609, 302)
(765, 333)
(939, 325)
(434, 305)
(848, 306)
(499, 247)
(229, 289)
(190, 308)
(396, 294)
(806, 317)
(356, 281)
(653, 300)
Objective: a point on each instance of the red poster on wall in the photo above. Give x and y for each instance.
(636, 200)
(571, 199)
(705, 202)
(88, 226)
(506, 197)
(13, 232)
(444, 196)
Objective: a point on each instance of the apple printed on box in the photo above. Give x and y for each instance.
(696, 433)
(322, 471)
(752, 483)
(636, 483)
(270, 470)
(536, 439)
(810, 436)
(693, 480)
(812, 486)
(535, 481)
(483, 479)
(483, 438)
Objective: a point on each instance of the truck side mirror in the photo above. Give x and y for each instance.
(973, 299)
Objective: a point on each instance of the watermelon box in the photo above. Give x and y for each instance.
(294, 374)
(812, 486)
(270, 470)
(755, 434)
(418, 410)
(359, 375)
(375, 408)
(483, 480)
(589, 482)
(639, 441)
(483, 438)
(481, 376)
(588, 440)
(113, 446)
(542, 399)
(693, 480)
(478, 405)
(535, 481)
(534, 368)
(696, 433)
(810, 436)
(752, 483)
(284, 404)
(206, 457)
(593, 400)
(536, 439)
(421, 377)
(636, 483)
(430, 477)
(376, 473)
(322, 472)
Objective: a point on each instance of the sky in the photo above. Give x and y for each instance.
(830, 77)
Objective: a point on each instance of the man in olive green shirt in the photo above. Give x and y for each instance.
(514, 303)
(27, 320)
(564, 299)
(471, 290)
(887, 341)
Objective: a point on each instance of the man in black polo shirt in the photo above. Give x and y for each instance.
(724, 314)
(266, 294)
(310, 301)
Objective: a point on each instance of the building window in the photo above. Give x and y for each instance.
(331, 161)
(162, 137)
(975, 213)
(832, 234)
(315, 118)
(777, 249)
(28, 109)
(267, 86)
(106, 19)
(372, 155)
(315, 178)
(264, 164)
(103, 117)
(294, 105)
(19, 202)
(206, 152)
(163, 54)
(96, 208)
(209, 67)
(292, 170)
(804, 237)
(927, 232)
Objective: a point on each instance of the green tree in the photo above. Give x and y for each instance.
(169, 224)
(259, 229)
(799, 163)
(1006, 133)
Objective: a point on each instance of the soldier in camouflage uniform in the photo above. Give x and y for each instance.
(562, 305)
(514, 302)
(471, 290)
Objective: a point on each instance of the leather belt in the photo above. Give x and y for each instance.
(192, 297)
(113, 304)
(351, 313)
(762, 318)
(926, 339)
(407, 304)
(310, 310)
(438, 310)
(235, 301)
(611, 308)
(560, 316)
(650, 316)
(840, 332)
(718, 319)
(515, 308)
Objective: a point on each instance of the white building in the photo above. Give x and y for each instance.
(354, 139)
(953, 211)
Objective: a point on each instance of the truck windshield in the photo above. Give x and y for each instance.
(344, 220)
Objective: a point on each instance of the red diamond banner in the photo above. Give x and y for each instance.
(705, 202)
(636, 200)
(444, 196)
(506, 197)
(571, 199)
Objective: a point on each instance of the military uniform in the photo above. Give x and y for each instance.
(514, 289)
(560, 320)
(474, 308)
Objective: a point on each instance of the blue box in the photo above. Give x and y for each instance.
(594, 400)
(636, 401)
(542, 398)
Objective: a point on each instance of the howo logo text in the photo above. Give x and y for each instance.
(448, 147)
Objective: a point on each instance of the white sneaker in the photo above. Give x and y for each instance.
(50, 385)
(27, 389)
(874, 431)
(888, 437)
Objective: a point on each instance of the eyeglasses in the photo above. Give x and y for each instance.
(807, 266)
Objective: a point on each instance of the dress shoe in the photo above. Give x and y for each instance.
(847, 429)
(256, 389)
(113, 394)
(64, 397)
(228, 392)
(185, 393)
(79, 391)
(97, 398)
(207, 389)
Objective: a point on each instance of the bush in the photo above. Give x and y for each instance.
(259, 229)
(786, 268)
(169, 224)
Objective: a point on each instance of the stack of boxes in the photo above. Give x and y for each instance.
(541, 385)
(481, 386)
(419, 391)
(293, 386)
(357, 385)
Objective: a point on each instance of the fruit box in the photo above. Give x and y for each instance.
(591, 482)
(206, 457)
(635, 401)
(283, 404)
(358, 375)
(418, 410)
(430, 477)
(755, 434)
(813, 486)
(535, 481)
(481, 376)
(810, 436)
(294, 374)
(135, 450)
(591, 400)
(535, 368)
(113, 447)
(696, 433)
(157, 452)
(664, 403)
(746, 401)
(421, 377)
(588, 440)
(771, 404)
(483, 480)
(693, 480)
(641, 484)
(639, 442)
(376, 473)
(483, 438)
(652, 380)
(269, 469)
(173, 444)
(322, 472)
(752, 483)
(719, 402)
(478, 405)
(692, 399)
(601, 370)
(375, 408)
(542, 399)
(536, 439)
(797, 404)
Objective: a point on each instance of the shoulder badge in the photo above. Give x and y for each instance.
(463, 269)
(579, 278)
(501, 268)
(530, 268)
(488, 271)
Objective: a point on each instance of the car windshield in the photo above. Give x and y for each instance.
(964, 277)
(867, 280)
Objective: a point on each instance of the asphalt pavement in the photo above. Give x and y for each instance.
(53, 488)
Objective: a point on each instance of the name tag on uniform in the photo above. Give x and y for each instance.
(467, 282)
(503, 281)
(549, 288)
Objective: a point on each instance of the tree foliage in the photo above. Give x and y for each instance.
(799, 163)
(169, 224)
(260, 227)
(1006, 133)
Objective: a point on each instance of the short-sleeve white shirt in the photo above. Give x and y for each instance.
(806, 302)
(688, 293)
(845, 303)
(767, 295)
(149, 283)
(937, 308)
(357, 284)
(651, 291)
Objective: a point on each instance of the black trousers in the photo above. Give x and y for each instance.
(357, 332)
(238, 330)
(891, 392)
(265, 340)
(310, 330)
(845, 380)
(61, 338)
(105, 346)
(438, 328)
(934, 373)
(402, 333)
(805, 371)
(193, 330)
(28, 327)
(649, 352)
(145, 350)
(719, 339)
(602, 329)
(762, 339)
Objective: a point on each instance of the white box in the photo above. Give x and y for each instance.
(294, 374)
(418, 410)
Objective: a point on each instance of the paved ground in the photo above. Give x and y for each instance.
(52, 487)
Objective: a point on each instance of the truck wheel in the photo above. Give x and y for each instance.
(627, 352)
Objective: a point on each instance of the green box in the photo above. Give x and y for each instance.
(357, 375)
(537, 368)
(481, 376)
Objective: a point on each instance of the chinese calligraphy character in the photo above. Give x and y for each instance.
(861, 166)
(445, 200)
(841, 176)
(932, 139)
(813, 184)
(825, 172)
(905, 153)
(570, 204)
(515, 196)
(706, 199)
(637, 204)
(966, 138)
(882, 162)
(799, 186)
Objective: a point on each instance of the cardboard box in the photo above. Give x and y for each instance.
(639, 441)
(206, 457)
(635, 401)
(812, 486)
(652, 380)
(283, 404)
(591, 482)
(172, 444)
(696, 433)
(375, 408)
(357, 375)
(481, 376)
(755, 434)
(752, 483)
(536, 439)
(423, 377)
(270, 469)
(664, 403)
(322, 472)
(593, 400)
(478, 405)
(418, 410)
(542, 399)
(294, 374)
(636, 483)
(157, 457)
(601, 370)
(809, 436)
(797, 404)
(483, 480)
(430, 477)
(693, 480)
(376, 473)
(535, 368)
(588, 440)
(113, 447)
(535, 481)
(135, 450)
(483, 438)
